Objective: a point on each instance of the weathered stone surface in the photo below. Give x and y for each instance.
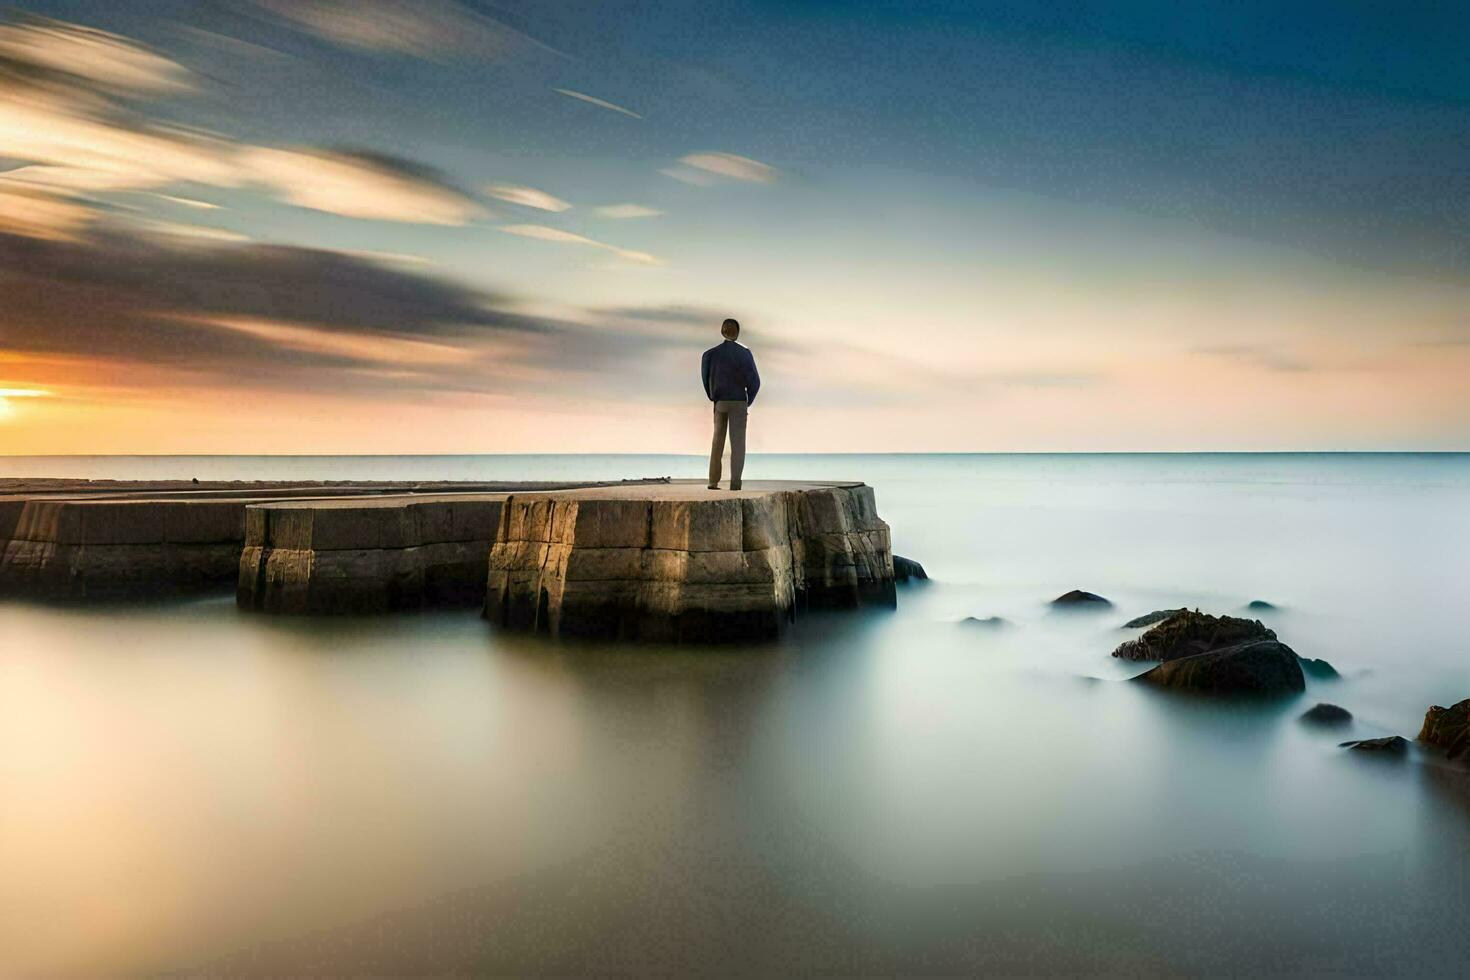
(1259, 668)
(1319, 669)
(1389, 745)
(1188, 633)
(906, 569)
(1081, 600)
(1148, 619)
(1326, 714)
(682, 563)
(103, 549)
(86, 540)
(370, 555)
(1448, 729)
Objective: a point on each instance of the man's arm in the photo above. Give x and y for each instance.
(704, 375)
(753, 382)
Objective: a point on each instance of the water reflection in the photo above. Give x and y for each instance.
(188, 788)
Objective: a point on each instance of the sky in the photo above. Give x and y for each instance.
(425, 226)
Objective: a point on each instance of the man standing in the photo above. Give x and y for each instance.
(730, 381)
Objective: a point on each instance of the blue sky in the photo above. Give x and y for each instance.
(945, 226)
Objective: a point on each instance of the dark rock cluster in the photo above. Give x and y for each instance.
(1079, 599)
(906, 569)
(1187, 633)
(1327, 714)
(1448, 729)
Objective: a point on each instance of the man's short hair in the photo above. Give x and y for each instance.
(730, 329)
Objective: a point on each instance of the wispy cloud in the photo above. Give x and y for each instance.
(527, 197)
(688, 175)
(101, 59)
(603, 103)
(35, 214)
(1256, 355)
(76, 141)
(546, 234)
(428, 29)
(357, 184)
(621, 211)
(732, 166)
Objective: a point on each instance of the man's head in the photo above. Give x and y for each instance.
(730, 329)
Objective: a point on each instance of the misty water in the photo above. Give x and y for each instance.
(185, 788)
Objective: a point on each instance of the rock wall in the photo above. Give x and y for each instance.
(685, 565)
(366, 555)
(103, 549)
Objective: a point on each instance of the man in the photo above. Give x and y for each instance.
(730, 381)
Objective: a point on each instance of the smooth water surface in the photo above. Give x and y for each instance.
(183, 787)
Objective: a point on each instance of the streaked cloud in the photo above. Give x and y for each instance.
(75, 144)
(620, 211)
(602, 103)
(545, 234)
(428, 29)
(175, 229)
(188, 202)
(688, 175)
(84, 148)
(38, 214)
(732, 166)
(103, 60)
(357, 184)
(1267, 357)
(527, 197)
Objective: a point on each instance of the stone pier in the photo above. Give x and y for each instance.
(653, 560)
(682, 563)
(70, 540)
(367, 555)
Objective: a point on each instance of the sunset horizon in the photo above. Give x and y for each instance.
(331, 228)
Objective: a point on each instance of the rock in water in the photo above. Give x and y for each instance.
(1392, 745)
(1259, 605)
(1188, 634)
(1327, 714)
(1448, 729)
(1260, 668)
(989, 622)
(1319, 669)
(905, 569)
(1157, 616)
(1078, 598)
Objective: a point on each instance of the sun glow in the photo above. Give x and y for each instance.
(6, 409)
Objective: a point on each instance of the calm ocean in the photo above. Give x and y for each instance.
(186, 788)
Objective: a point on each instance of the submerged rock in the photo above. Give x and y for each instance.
(989, 622)
(1448, 729)
(1078, 598)
(905, 569)
(1391, 745)
(1187, 634)
(1261, 668)
(1148, 619)
(1327, 714)
(1319, 669)
(1260, 605)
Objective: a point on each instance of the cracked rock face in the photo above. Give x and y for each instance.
(1448, 729)
(689, 567)
(1259, 668)
(110, 549)
(1186, 633)
(369, 556)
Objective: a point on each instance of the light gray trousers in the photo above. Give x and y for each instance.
(728, 415)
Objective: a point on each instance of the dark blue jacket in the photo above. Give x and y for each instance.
(729, 374)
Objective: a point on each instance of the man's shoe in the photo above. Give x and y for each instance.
(734, 486)
(713, 486)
